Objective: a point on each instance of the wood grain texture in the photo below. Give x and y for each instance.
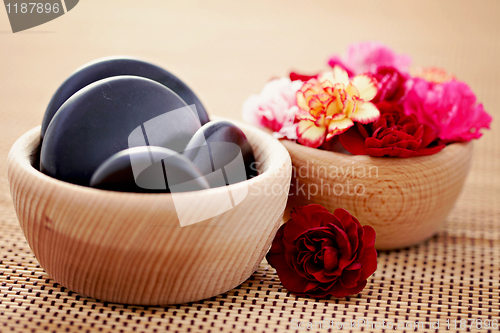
(404, 200)
(130, 248)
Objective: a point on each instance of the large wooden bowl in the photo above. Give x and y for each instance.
(130, 248)
(405, 200)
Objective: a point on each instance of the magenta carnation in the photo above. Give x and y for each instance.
(449, 108)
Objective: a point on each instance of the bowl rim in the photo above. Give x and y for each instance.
(25, 148)
(453, 148)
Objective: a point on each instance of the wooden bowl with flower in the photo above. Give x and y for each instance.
(405, 200)
(130, 248)
(391, 148)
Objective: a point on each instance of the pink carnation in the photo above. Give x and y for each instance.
(274, 108)
(368, 56)
(449, 108)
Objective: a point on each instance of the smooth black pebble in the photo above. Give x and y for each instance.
(110, 67)
(222, 153)
(111, 115)
(148, 169)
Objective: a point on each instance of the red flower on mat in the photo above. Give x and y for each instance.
(317, 253)
(394, 134)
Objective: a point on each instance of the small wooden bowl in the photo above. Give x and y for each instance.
(405, 200)
(130, 248)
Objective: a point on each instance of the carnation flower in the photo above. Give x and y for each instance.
(393, 134)
(330, 104)
(312, 109)
(274, 108)
(449, 108)
(368, 56)
(433, 74)
(318, 254)
(391, 84)
(302, 77)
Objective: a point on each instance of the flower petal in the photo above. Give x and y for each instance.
(302, 219)
(352, 90)
(327, 80)
(353, 141)
(391, 151)
(309, 134)
(366, 85)
(430, 151)
(340, 75)
(365, 113)
(369, 256)
(331, 258)
(334, 108)
(336, 127)
(301, 100)
(302, 77)
(350, 278)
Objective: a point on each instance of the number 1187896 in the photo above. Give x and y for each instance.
(32, 7)
(472, 323)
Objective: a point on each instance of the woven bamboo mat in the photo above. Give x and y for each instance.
(230, 50)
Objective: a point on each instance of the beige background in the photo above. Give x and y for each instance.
(227, 50)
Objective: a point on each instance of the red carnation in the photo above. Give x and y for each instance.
(391, 84)
(393, 134)
(302, 77)
(317, 253)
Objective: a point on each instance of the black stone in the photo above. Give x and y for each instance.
(148, 169)
(109, 116)
(217, 145)
(109, 67)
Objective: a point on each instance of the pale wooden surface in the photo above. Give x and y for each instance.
(405, 200)
(226, 50)
(131, 248)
